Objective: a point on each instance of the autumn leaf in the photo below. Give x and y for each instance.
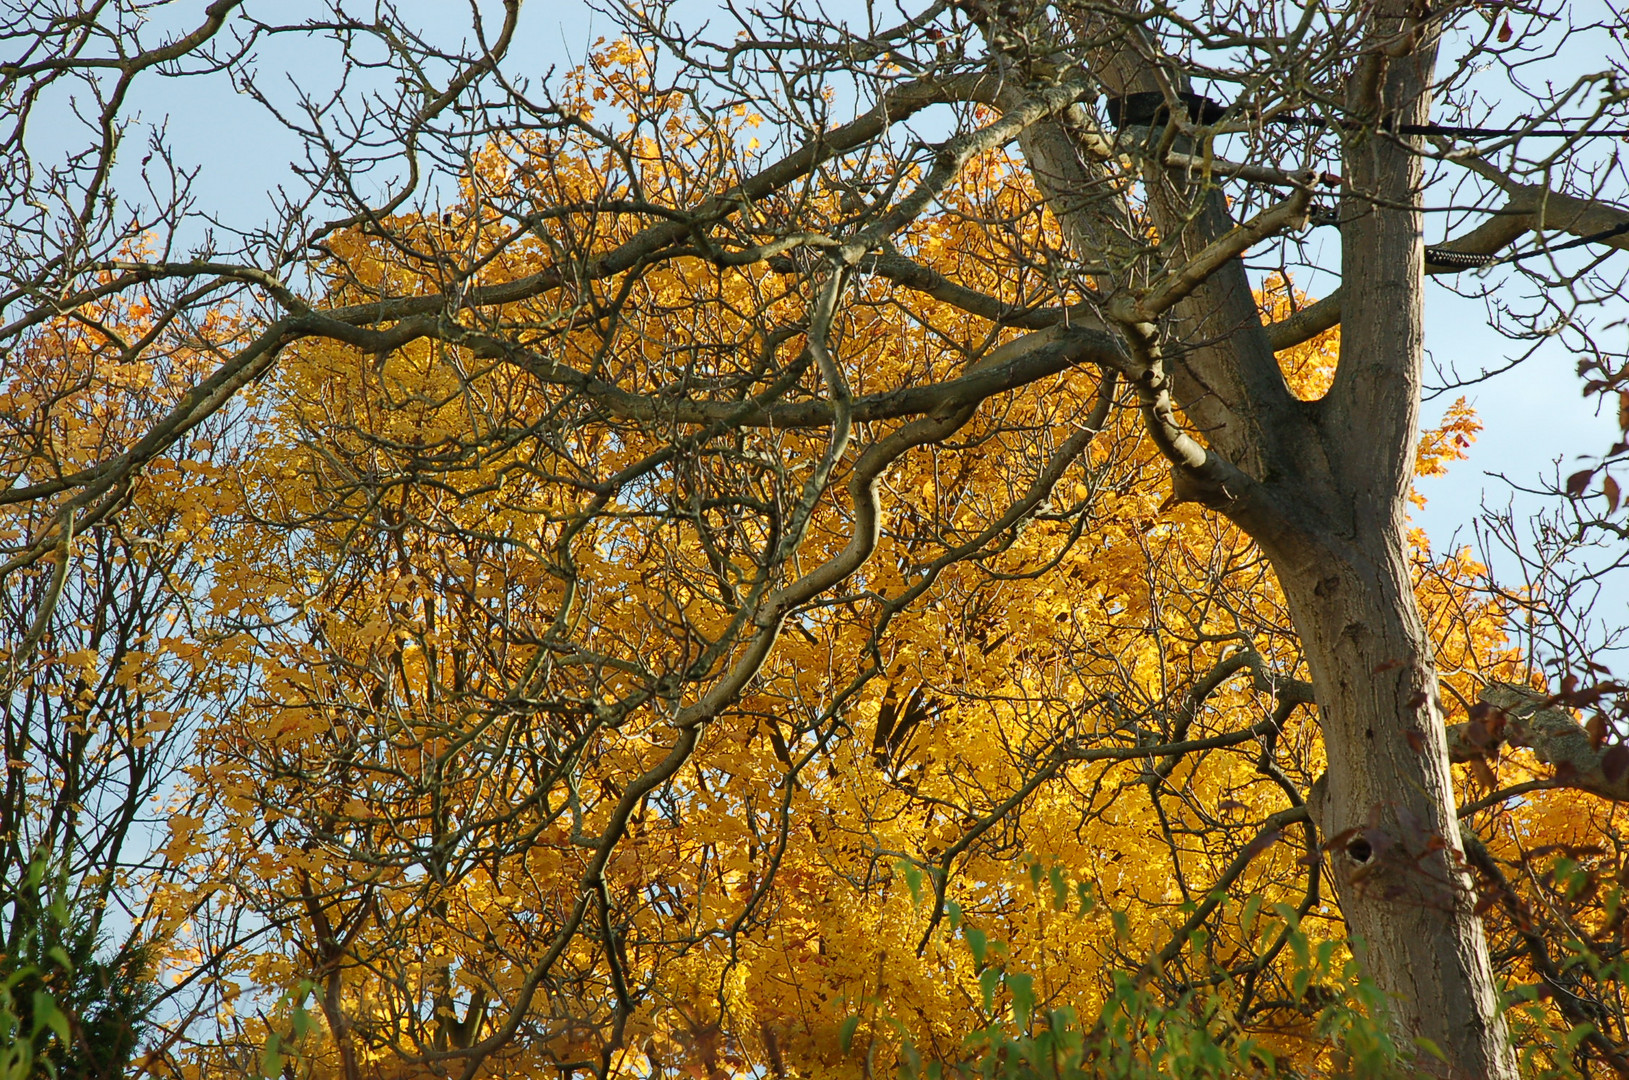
(1615, 763)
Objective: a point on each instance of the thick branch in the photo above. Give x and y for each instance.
(1530, 720)
(913, 275)
(1530, 208)
(893, 109)
(1018, 363)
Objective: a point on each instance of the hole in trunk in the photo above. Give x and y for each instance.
(1359, 850)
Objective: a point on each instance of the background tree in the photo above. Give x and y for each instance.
(578, 483)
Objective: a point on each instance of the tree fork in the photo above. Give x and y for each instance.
(1323, 488)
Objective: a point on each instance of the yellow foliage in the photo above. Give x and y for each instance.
(468, 643)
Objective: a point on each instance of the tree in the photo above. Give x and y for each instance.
(64, 1010)
(99, 701)
(640, 396)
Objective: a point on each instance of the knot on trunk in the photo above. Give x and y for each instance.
(1393, 856)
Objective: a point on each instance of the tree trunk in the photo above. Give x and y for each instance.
(1325, 496)
(1386, 805)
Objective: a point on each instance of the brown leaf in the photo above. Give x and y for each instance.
(1388, 665)
(1609, 488)
(1380, 841)
(1338, 840)
(1477, 735)
(1483, 773)
(1597, 731)
(1623, 410)
(1578, 481)
(1615, 763)
(1417, 700)
(1592, 695)
(1505, 33)
(1263, 842)
(1416, 741)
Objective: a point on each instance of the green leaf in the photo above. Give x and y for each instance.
(953, 911)
(1430, 1047)
(976, 943)
(1022, 988)
(1060, 888)
(46, 1014)
(987, 985)
(272, 1063)
(845, 1033)
(23, 971)
(913, 879)
(299, 1024)
(1247, 917)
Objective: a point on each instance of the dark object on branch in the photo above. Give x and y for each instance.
(1459, 260)
(1448, 259)
(1440, 257)
(1149, 109)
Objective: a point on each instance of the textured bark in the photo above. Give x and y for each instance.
(1527, 718)
(1386, 806)
(1322, 487)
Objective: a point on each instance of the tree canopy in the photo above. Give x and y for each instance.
(838, 550)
